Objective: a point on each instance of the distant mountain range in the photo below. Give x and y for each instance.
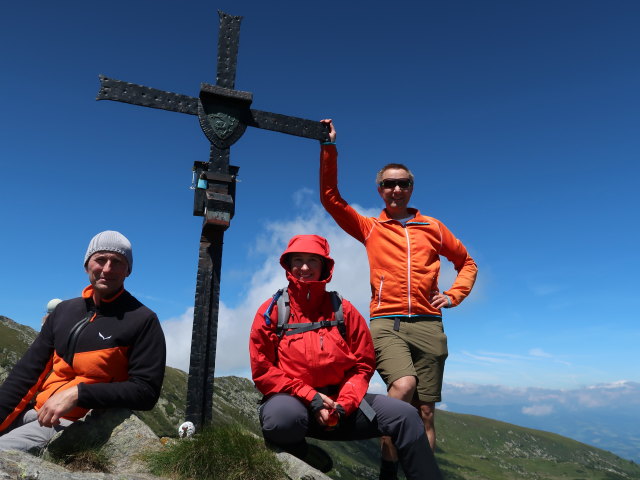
(606, 416)
(469, 447)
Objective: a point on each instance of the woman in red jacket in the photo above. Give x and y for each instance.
(314, 371)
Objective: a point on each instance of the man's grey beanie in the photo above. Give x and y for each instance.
(110, 241)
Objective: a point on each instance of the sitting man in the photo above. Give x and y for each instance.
(313, 365)
(101, 350)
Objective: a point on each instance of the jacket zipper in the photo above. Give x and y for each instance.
(380, 290)
(73, 336)
(406, 233)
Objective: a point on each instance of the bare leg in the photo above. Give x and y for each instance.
(427, 412)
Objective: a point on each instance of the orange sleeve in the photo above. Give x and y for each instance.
(455, 251)
(345, 216)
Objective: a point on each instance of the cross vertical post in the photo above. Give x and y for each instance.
(204, 335)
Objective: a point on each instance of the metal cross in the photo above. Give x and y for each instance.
(224, 115)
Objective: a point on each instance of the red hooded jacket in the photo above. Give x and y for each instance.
(299, 364)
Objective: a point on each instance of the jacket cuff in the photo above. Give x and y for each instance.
(307, 394)
(81, 394)
(452, 300)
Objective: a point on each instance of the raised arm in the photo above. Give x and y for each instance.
(345, 216)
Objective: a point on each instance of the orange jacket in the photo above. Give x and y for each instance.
(404, 261)
(114, 353)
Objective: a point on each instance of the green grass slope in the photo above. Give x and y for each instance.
(169, 412)
(469, 447)
(14, 341)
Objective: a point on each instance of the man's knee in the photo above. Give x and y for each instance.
(403, 388)
(27, 435)
(399, 420)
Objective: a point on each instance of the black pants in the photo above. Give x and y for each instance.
(286, 422)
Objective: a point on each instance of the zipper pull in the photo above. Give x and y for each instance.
(321, 341)
(308, 294)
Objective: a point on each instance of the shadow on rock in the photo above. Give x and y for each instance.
(116, 433)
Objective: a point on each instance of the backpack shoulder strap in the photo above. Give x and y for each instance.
(275, 299)
(336, 302)
(284, 310)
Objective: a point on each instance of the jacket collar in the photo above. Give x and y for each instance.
(384, 217)
(106, 304)
(306, 297)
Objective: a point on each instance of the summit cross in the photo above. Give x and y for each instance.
(224, 114)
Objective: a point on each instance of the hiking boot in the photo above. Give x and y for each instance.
(388, 470)
(312, 455)
(317, 458)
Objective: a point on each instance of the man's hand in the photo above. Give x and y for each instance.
(440, 300)
(332, 129)
(57, 405)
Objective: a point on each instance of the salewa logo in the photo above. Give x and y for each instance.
(103, 337)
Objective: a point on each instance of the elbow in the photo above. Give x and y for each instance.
(148, 402)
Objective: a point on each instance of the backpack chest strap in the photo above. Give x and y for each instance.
(294, 328)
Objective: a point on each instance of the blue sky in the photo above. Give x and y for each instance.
(519, 120)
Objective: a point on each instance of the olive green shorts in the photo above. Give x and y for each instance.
(418, 349)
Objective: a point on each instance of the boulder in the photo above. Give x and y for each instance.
(296, 469)
(25, 466)
(119, 436)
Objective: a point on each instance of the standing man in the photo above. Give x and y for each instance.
(104, 349)
(404, 249)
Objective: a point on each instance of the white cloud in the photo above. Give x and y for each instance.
(612, 386)
(538, 352)
(522, 368)
(376, 385)
(591, 399)
(532, 398)
(538, 410)
(490, 357)
(177, 333)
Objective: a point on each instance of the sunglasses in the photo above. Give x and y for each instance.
(403, 183)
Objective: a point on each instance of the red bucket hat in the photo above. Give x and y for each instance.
(309, 244)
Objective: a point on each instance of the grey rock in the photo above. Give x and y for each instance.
(296, 469)
(23, 466)
(117, 433)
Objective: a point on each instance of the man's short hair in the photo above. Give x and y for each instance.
(389, 166)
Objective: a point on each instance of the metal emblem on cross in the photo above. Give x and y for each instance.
(224, 114)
